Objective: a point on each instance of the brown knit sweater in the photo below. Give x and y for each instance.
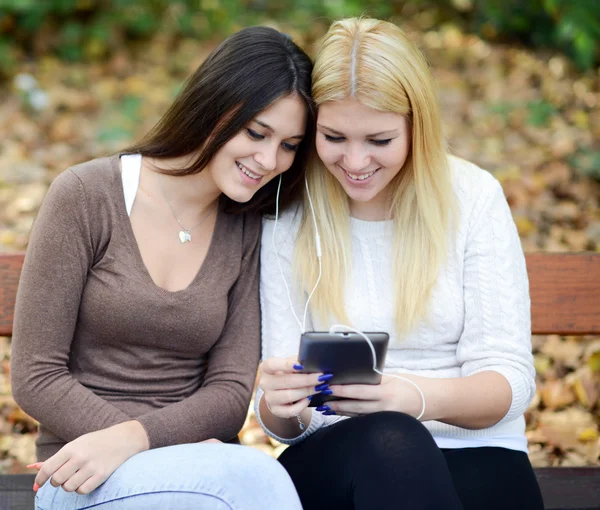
(97, 343)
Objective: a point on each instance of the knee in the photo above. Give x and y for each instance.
(262, 467)
(387, 434)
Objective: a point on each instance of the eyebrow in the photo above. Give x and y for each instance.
(390, 131)
(266, 126)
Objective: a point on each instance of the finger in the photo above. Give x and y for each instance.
(66, 471)
(35, 465)
(355, 407)
(290, 411)
(357, 391)
(77, 480)
(349, 415)
(274, 365)
(90, 484)
(275, 382)
(289, 396)
(50, 466)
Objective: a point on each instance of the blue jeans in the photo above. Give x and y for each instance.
(200, 476)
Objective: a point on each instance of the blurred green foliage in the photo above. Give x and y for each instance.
(569, 25)
(93, 29)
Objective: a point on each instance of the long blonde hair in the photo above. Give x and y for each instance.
(374, 63)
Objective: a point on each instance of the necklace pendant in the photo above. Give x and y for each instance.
(185, 236)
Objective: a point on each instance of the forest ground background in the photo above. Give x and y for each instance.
(84, 80)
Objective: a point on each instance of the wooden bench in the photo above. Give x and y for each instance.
(565, 299)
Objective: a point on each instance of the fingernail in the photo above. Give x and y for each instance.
(35, 487)
(327, 392)
(325, 377)
(310, 397)
(35, 465)
(329, 413)
(298, 366)
(322, 387)
(323, 408)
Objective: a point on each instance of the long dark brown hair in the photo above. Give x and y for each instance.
(242, 77)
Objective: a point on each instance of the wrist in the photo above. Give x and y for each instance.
(438, 396)
(136, 435)
(432, 395)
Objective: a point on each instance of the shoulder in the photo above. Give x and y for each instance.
(92, 178)
(96, 172)
(252, 229)
(474, 187)
(279, 238)
(78, 185)
(287, 225)
(470, 181)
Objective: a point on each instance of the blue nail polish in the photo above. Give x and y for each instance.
(298, 366)
(326, 392)
(325, 377)
(324, 408)
(321, 387)
(329, 413)
(310, 397)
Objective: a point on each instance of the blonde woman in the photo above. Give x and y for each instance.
(418, 244)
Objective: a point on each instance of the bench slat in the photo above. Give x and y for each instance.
(16, 492)
(565, 293)
(10, 269)
(562, 488)
(570, 488)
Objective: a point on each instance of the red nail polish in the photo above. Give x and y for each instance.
(35, 487)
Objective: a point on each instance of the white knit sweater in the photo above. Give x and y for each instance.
(480, 316)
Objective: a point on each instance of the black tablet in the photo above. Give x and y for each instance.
(345, 355)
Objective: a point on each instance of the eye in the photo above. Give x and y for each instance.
(334, 139)
(254, 135)
(381, 143)
(289, 147)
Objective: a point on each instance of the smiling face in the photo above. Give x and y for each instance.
(364, 149)
(261, 151)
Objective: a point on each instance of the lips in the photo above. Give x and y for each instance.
(247, 172)
(359, 177)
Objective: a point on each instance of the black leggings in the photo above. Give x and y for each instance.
(389, 460)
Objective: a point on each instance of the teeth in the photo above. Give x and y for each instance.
(246, 171)
(362, 177)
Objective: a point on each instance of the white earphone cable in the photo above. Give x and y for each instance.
(287, 289)
(335, 327)
(343, 327)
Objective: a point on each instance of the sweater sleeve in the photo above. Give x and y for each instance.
(59, 254)
(497, 327)
(219, 407)
(280, 329)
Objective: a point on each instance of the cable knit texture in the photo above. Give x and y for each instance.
(479, 317)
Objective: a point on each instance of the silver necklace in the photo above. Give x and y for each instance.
(185, 234)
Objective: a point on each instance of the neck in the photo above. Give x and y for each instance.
(197, 191)
(376, 209)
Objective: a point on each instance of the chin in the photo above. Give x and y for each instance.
(239, 197)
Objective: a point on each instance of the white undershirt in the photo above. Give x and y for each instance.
(131, 168)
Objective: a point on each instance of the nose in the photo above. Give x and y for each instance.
(267, 157)
(355, 158)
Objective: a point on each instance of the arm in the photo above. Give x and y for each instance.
(494, 351)
(60, 252)
(495, 347)
(281, 337)
(218, 408)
